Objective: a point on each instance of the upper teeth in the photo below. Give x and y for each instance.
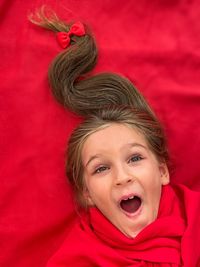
(128, 198)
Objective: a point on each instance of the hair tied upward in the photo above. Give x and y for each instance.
(63, 38)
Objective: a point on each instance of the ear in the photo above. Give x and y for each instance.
(87, 197)
(164, 174)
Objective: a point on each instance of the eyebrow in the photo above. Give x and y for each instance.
(128, 145)
(136, 144)
(92, 158)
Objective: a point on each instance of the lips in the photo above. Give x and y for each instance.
(130, 204)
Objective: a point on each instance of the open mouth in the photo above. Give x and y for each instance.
(131, 204)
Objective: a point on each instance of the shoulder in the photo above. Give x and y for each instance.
(187, 196)
(190, 203)
(82, 248)
(74, 249)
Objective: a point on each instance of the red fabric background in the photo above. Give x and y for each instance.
(155, 43)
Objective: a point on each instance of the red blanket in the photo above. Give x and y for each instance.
(154, 43)
(171, 240)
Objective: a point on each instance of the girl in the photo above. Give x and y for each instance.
(117, 163)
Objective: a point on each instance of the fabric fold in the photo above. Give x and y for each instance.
(170, 241)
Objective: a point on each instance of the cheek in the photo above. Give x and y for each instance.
(154, 174)
(152, 181)
(98, 190)
(92, 186)
(154, 193)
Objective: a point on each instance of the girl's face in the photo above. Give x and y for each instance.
(123, 177)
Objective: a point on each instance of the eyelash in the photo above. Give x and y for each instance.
(135, 158)
(100, 169)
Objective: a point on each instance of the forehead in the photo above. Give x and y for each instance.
(115, 134)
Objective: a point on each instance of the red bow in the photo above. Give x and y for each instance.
(64, 37)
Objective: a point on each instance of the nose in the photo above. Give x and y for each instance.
(123, 176)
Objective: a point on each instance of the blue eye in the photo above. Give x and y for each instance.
(135, 158)
(101, 169)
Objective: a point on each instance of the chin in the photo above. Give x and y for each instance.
(130, 233)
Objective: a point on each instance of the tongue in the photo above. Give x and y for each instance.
(131, 205)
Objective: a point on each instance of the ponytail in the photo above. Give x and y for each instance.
(67, 74)
(103, 99)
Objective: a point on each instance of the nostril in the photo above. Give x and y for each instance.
(124, 182)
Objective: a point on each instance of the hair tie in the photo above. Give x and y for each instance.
(63, 38)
